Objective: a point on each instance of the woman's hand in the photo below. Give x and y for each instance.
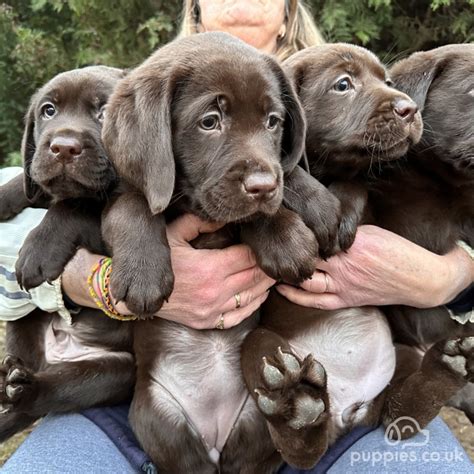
(383, 268)
(206, 281)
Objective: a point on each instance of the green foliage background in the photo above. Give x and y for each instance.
(39, 38)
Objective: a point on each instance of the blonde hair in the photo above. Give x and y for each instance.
(301, 30)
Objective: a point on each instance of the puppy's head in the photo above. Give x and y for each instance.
(352, 110)
(215, 115)
(441, 82)
(62, 147)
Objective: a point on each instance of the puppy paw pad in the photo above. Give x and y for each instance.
(467, 344)
(13, 391)
(456, 363)
(271, 375)
(266, 404)
(451, 348)
(10, 360)
(307, 411)
(289, 362)
(315, 372)
(17, 375)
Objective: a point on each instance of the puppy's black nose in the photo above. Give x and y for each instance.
(260, 184)
(65, 148)
(405, 109)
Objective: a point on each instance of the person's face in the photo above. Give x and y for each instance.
(257, 22)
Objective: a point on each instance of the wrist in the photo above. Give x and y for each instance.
(460, 267)
(74, 278)
(98, 283)
(119, 306)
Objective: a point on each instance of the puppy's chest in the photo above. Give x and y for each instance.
(201, 372)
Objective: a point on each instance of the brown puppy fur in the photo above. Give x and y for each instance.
(296, 365)
(148, 138)
(224, 116)
(356, 122)
(36, 376)
(65, 166)
(435, 209)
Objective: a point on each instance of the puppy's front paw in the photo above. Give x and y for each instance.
(323, 218)
(17, 385)
(9, 209)
(42, 258)
(347, 231)
(292, 264)
(143, 285)
(284, 246)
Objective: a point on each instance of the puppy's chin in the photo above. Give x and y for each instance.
(239, 208)
(62, 188)
(89, 176)
(392, 152)
(396, 148)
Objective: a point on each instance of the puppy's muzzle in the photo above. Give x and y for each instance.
(260, 185)
(405, 109)
(65, 148)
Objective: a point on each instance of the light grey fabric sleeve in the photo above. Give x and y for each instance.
(14, 302)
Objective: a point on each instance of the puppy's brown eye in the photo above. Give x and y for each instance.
(389, 82)
(343, 85)
(210, 121)
(48, 111)
(273, 121)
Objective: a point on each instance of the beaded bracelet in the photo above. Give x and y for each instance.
(101, 275)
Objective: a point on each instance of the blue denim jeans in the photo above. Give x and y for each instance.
(74, 444)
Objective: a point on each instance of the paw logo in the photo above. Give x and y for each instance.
(406, 427)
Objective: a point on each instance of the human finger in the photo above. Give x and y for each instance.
(326, 265)
(237, 258)
(247, 296)
(320, 282)
(187, 227)
(245, 279)
(311, 300)
(236, 316)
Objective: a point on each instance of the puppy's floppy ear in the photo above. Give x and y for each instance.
(414, 75)
(137, 132)
(296, 70)
(28, 149)
(294, 127)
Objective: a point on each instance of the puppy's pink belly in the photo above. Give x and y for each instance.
(207, 386)
(64, 342)
(356, 349)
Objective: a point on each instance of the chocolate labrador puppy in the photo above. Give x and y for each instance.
(65, 169)
(225, 185)
(52, 365)
(316, 374)
(216, 124)
(435, 210)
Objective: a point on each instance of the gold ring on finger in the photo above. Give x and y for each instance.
(237, 300)
(220, 323)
